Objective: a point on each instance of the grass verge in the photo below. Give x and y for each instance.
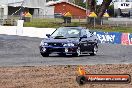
(104, 28)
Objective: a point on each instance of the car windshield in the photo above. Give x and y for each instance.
(66, 33)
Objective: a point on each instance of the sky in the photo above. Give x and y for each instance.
(100, 1)
(8, 1)
(14, 0)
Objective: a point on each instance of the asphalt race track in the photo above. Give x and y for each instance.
(24, 51)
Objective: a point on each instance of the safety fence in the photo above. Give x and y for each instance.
(123, 22)
(9, 20)
(110, 21)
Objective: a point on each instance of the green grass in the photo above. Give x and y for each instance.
(120, 29)
(47, 20)
(41, 24)
(55, 20)
(48, 24)
(58, 22)
(51, 23)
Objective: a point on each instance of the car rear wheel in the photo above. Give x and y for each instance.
(94, 51)
(45, 54)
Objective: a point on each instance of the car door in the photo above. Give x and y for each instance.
(83, 42)
(89, 40)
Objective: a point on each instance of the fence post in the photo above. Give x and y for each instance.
(126, 24)
(94, 22)
(109, 23)
(101, 21)
(117, 24)
(20, 27)
(54, 19)
(79, 19)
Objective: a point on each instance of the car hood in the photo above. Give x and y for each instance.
(49, 40)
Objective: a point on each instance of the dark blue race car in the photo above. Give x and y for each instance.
(69, 40)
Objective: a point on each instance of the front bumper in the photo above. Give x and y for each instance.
(66, 50)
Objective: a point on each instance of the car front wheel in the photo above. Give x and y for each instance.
(45, 54)
(94, 50)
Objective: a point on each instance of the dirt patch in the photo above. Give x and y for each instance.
(58, 76)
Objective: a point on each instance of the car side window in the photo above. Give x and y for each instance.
(88, 33)
(83, 33)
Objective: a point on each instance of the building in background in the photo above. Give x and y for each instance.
(123, 8)
(3, 11)
(62, 7)
(35, 7)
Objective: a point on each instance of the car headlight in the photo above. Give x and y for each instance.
(43, 43)
(69, 44)
(65, 45)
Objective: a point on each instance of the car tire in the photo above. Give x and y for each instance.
(45, 54)
(78, 53)
(94, 50)
(81, 80)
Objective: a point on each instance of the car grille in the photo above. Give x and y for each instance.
(56, 50)
(55, 44)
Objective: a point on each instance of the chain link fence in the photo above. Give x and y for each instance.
(12, 20)
(111, 21)
(9, 20)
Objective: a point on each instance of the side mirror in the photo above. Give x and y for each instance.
(48, 35)
(92, 33)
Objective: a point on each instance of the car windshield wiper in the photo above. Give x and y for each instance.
(72, 37)
(59, 37)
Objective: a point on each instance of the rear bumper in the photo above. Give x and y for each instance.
(66, 50)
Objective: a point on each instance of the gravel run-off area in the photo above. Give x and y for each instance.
(58, 76)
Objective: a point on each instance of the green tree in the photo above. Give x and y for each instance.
(91, 5)
(105, 4)
(111, 10)
(82, 4)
